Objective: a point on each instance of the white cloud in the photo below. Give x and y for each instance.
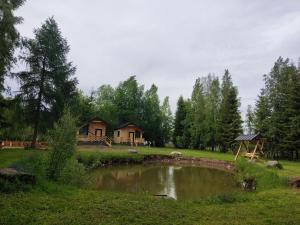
(171, 42)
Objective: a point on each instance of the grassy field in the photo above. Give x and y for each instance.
(60, 204)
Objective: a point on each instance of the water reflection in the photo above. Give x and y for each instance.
(187, 182)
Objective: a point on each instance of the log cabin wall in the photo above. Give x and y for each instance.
(121, 135)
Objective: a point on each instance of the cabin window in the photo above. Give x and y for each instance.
(118, 134)
(84, 130)
(137, 134)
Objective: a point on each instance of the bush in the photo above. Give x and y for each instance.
(62, 142)
(73, 173)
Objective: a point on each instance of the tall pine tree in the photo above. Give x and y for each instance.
(229, 124)
(47, 84)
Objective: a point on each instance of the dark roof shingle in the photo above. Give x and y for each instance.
(248, 137)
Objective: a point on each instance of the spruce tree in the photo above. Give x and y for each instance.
(179, 123)
(47, 83)
(229, 123)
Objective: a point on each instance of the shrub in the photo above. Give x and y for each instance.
(62, 142)
(74, 173)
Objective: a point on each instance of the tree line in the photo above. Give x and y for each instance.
(209, 119)
(276, 114)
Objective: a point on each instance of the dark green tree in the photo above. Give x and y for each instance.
(47, 83)
(152, 121)
(128, 101)
(229, 124)
(179, 123)
(9, 40)
(105, 106)
(9, 36)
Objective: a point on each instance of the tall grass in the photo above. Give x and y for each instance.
(265, 178)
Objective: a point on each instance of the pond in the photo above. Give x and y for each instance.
(172, 181)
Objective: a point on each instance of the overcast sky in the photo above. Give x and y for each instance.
(172, 42)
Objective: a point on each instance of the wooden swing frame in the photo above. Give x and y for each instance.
(245, 141)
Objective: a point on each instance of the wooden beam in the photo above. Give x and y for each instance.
(253, 154)
(238, 151)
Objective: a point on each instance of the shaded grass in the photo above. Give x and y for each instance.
(10, 156)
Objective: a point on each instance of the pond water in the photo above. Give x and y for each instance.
(173, 181)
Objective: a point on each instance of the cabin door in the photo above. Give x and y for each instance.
(98, 132)
(131, 136)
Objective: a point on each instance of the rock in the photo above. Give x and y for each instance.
(294, 182)
(132, 151)
(176, 154)
(249, 184)
(13, 175)
(273, 164)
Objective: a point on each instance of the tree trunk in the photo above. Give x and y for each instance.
(38, 108)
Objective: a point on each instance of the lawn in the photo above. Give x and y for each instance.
(60, 204)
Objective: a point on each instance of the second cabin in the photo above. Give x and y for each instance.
(128, 133)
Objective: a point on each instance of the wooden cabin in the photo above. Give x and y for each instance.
(93, 132)
(128, 133)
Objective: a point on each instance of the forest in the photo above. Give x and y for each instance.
(209, 119)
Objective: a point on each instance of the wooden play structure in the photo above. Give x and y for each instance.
(248, 141)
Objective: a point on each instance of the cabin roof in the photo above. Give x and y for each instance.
(94, 118)
(248, 137)
(126, 125)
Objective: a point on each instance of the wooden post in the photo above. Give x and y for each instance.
(254, 150)
(238, 151)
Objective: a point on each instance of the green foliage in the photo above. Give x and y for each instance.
(62, 142)
(105, 106)
(179, 124)
(151, 117)
(74, 173)
(249, 120)
(198, 116)
(229, 123)
(213, 99)
(167, 120)
(265, 178)
(9, 36)
(211, 117)
(46, 86)
(277, 113)
(128, 100)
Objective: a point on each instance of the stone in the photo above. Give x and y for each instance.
(273, 164)
(294, 182)
(13, 175)
(133, 151)
(249, 184)
(176, 154)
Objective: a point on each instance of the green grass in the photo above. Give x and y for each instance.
(272, 203)
(11, 156)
